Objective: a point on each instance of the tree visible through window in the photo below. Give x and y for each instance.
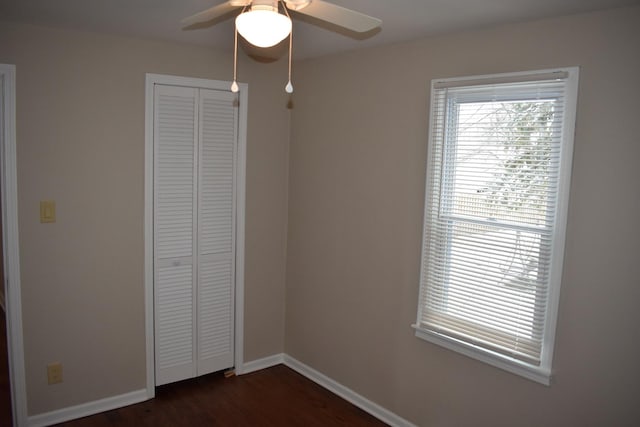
(496, 163)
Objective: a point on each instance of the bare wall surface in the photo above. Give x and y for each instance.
(358, 153)
(80, 142)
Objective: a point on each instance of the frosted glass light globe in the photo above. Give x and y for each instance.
(263, 26)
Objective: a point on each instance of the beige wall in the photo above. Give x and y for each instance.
(358, 153)
(80, 141)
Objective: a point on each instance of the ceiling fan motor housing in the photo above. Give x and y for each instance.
(291, 4)
(297, 4)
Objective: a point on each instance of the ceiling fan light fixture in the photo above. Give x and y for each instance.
(263, 26)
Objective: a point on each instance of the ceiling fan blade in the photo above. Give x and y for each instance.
(211, 13)
(338, 15)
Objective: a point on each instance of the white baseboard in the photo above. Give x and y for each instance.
(86, 409)
(264, 363)
(109, 403)
(347, 394)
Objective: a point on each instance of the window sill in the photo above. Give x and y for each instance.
(533, 373)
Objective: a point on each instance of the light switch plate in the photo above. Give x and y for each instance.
(47, 211)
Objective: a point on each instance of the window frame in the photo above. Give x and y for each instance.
(541, 373)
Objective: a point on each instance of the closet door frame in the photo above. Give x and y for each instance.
(159, 79)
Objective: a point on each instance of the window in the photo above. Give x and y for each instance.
(496, 199)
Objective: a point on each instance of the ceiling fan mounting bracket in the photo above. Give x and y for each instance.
(239, 3)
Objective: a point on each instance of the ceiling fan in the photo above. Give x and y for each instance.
(328, 12)
(261, 23)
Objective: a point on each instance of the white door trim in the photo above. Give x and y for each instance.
(151, 80)
(13, 299)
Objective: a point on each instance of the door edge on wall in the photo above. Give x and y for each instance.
(11, 253)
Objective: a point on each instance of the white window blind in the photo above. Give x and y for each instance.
(495, 211)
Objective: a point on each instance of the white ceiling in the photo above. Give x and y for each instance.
(401, 19)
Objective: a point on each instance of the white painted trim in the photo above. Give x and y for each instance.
(347, 394)
(13, 298)
(89, 408)
(148, 237)
(264, 363)
(151, 80)
(241, 175)
(562, 212)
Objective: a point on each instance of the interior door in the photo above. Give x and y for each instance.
(195, 152)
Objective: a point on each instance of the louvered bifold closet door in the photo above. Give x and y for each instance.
(175, 162)
(216, 230)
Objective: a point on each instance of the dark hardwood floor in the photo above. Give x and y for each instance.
(5, 388)
(277, 396)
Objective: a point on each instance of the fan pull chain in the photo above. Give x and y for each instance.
(289, 87)
(234, 85)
